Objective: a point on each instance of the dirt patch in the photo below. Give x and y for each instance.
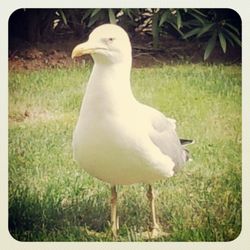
(41, 56)
(32, 116)
(171, 50)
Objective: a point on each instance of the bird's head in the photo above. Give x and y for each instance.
(107, 44)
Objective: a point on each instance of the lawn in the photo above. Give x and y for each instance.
(52, 199)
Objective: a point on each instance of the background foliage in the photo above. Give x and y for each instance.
(213, 27)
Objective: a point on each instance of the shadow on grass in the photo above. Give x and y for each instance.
(32, 218)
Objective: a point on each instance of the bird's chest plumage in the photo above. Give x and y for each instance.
(105, 146)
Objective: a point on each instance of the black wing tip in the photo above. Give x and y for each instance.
(186, 141)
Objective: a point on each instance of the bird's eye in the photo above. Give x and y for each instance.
(111, 39)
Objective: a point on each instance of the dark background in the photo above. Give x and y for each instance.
(45, 37)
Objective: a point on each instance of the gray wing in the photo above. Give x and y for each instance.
(164, 136)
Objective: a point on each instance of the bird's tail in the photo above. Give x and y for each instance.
(185, 142)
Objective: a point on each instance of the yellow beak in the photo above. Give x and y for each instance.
(82, 49)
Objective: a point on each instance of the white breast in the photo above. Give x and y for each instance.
(114, 150)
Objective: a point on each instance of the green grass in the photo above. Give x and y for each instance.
(52, 199)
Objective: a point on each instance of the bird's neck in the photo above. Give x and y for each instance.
(109, 87)
(107, 73)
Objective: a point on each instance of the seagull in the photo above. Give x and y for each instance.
(118, 139)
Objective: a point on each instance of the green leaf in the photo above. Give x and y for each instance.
(199, 12)
(163, 18)
(176, 28)
(233, 36)
(93, 19)
(129, 13)
(63, 17)
(191, 33)
(210, 45)
(87, 14)
(223, 42)
(205, 29)
(112, 18)
(200, 19)
(95, 11)
(228, 38)
(233, 28)
(191, 24)
(178, 21)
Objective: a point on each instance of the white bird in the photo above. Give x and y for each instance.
(118, 139)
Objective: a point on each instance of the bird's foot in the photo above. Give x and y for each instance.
(157, 232)
(114, 235)
(154, 233)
